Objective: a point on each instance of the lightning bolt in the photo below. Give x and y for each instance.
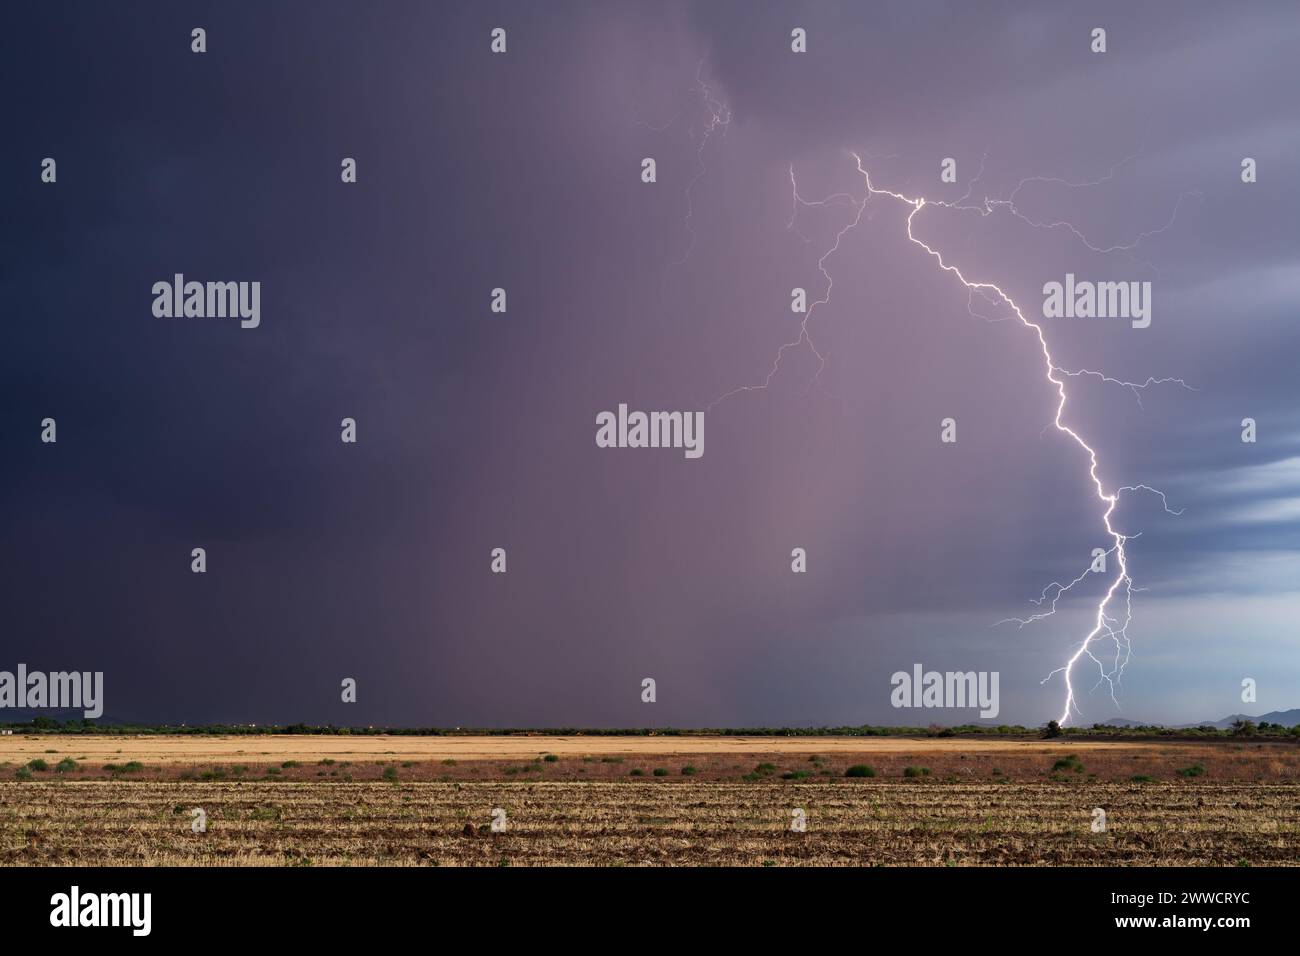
(1107, 624)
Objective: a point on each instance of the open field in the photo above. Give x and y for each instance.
(848, 823)
(299, 800)
(479, 758)
(261, 749)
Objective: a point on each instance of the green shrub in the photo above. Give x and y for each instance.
(636, 772)
(689, 771)
(916, 771)
(661, 771)
(1195, 770)
(390, 774)
(64, 765)
(551, 758)
(37, 764)
(860, 770)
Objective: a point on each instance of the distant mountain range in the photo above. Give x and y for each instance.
(1287, 718)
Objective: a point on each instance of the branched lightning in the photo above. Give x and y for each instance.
(804, 337)
(988, 206)
(1136, 387)
(716, 115)
(1108, 625)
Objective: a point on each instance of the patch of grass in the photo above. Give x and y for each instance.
(22, 773)
(551, 758)
(326, 762)
(1071, 763)
(796, 774)
(289, 763)
(390, 774)
(916, 771)
(1141, 778)
(860, 770)
(449, 762)
(1195, 770)
(689, 771)
(636, 772)
(611, 759)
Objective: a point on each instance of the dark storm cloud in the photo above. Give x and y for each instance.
(476, 430)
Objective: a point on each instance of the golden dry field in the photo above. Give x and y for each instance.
(271, 747)
(406, 801)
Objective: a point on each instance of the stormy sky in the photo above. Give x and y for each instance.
(476, 429)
